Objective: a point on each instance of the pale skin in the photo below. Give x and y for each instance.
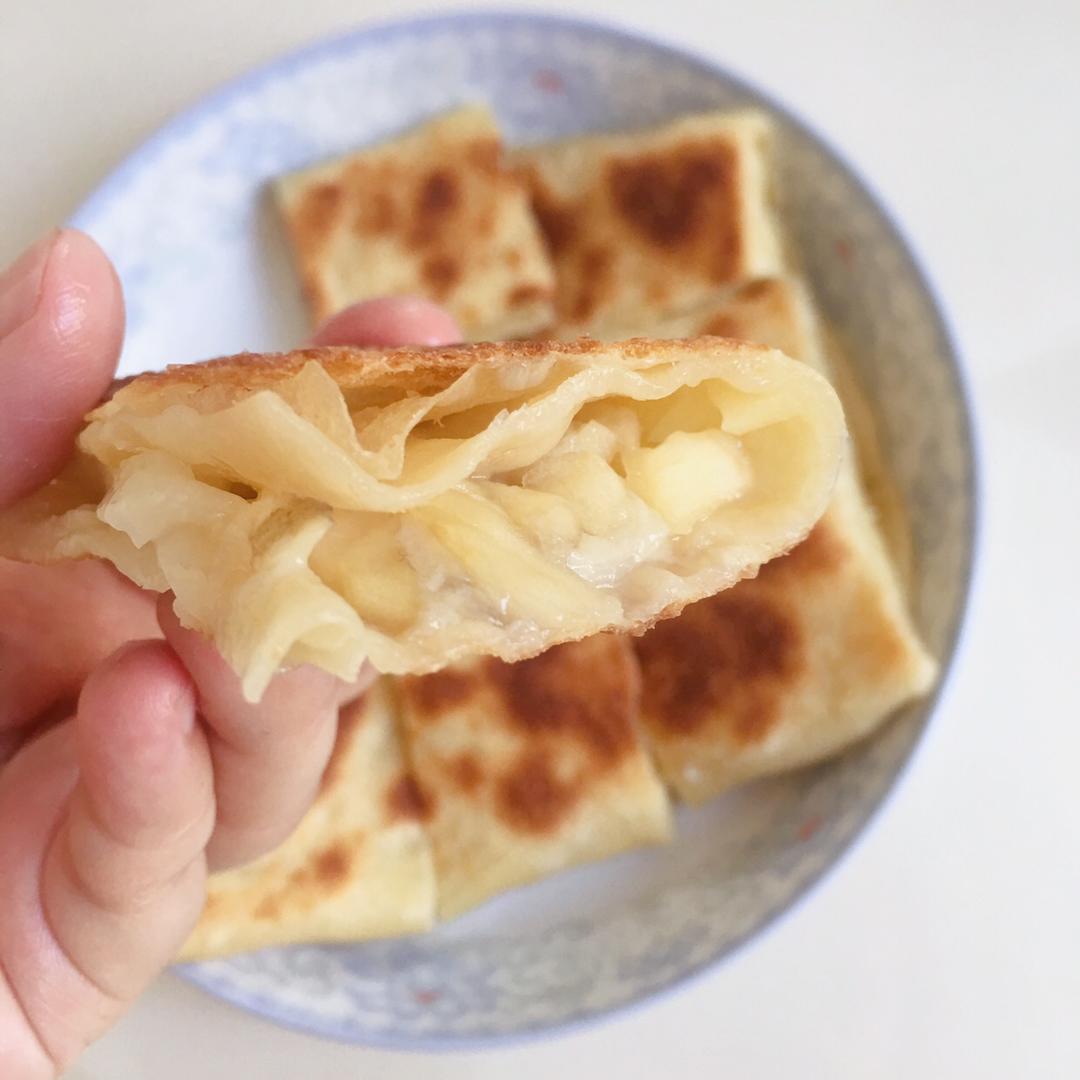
(130, 765)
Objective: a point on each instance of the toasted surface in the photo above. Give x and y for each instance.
(358, 866)
(421, 506)
(431, 213)
(813, 653)
(644, 223)
(532, 767)
(421, 369)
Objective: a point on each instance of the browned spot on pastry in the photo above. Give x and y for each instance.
(485, 155)
(440, 273)
(822, 552)
(594, 283)
(330, 866)
(432, 695)
(762, 289)
(376, 214)
(467, 772)
(723, 661)
(316, 215)
(683, 199)
(407, 801)
(727, 256)
(520, 295)
(558, 218)
(484, 227)
(531, 798)
(724, 326)
(584, 692)
(316, 296)
(512, 258)
(437, 196)
(327, 871)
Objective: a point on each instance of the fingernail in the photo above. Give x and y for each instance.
(20, 283)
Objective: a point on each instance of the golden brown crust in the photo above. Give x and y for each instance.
(653, 221)
(428, 368)
(680, 204)
(731, 659)
(539, 765)
(574, 702)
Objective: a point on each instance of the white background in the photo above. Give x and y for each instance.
(948, 944)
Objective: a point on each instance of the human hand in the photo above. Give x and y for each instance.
(130, 764)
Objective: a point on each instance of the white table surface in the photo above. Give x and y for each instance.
(948, 945)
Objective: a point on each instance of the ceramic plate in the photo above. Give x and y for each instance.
(205, 271)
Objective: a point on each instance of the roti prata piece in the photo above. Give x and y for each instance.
(814, 653)
(640, 224)
(420, 506)
(433, 213)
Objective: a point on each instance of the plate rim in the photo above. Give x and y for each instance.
(374, 32)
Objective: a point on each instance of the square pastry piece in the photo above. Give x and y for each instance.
(530, 768)
(814, 653)
(358, 866)
(645, 223)
(433, 213)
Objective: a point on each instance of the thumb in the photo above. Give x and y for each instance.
(61, 324)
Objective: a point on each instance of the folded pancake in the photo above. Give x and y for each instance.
(532, 767)
(432, 213)
(426, 505)
(358, 866)
(812, 654)
(643, 223)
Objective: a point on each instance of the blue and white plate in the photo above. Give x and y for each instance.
(205, 271)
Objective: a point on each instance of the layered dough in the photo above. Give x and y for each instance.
(417, 507)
